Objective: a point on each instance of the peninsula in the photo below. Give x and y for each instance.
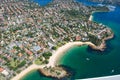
(31, 35)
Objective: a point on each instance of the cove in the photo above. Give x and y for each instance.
(88, 63)
(100, 63)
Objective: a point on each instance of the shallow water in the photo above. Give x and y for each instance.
(88, 63)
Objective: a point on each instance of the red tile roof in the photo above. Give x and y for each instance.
(28, 52)
(78, 38)
(1, 69)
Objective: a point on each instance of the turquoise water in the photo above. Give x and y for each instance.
(35, 75)
(100, 63)
(87, 63)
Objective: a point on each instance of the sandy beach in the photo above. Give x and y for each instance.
(27, 70)
(60, 51)
(57, 56)
(53, 59)
(90, 18)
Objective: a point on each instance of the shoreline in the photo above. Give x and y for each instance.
(61, 50)
(54, 58)
(90, 18)
(53, 61)
(27, 70)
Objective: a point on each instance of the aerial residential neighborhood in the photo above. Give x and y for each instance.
(30, 33)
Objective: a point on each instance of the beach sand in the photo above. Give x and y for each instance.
(60, 51)
(90, 18)
(27, 70)
(56, 57)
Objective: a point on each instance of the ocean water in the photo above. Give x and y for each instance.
(88, 3)
(35, 75)
(88, 63)
(42, 2)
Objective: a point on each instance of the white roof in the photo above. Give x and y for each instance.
(5, 72)
(36, 48)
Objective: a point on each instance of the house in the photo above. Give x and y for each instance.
(11, 45)
(4, 72)
(20, 54)
(1, 69)
(50, 44)
(28, 52)
(0, 52)
(78, 38)
(36, 48)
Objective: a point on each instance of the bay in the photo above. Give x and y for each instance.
(35, 75)
(42, 2)
(88, 63)
(100, 63)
